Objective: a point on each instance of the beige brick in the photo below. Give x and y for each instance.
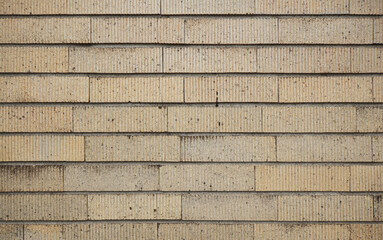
(231, 89)
(144, 231)
(302, 7)
(14, 232)
(137, 89)
(31, 178)
(115, 60)
(328, 148)
(45, 30)
(378, 89)
(134, 206)
(41, 7)
(328, 30)
(366, 231)
(173, 231)
(303, 60)
(111, 178)
(44, 89)
(120, 119)
(377, 143)
(34, 59)
(47, 148)
(113, 7)
(366, 178)
(369, 119)
(228, 149)
(214, 119)
(367, 60)
(366, 7)
(209, 60)
(207, 7)
(207, 177)
(140, 29)
(378, 30)
(43, 232)
(231, 30)
(301, 231)
(325, 89)
(302, 178)
(133, 148)
(378, 208)
(43, 207)
(35, 119)
(309, 119)
(229, 207)
(325, 208)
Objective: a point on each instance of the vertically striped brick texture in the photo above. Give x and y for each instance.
(193, 119)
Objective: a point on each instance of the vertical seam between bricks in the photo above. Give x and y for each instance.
(276, 148)
(255, 179)
(278, 87)
(373, 30)
(159, 178)
(84, 149)
(349, 173)
(23, 231)
(63, 174)
(160, 7)
(182, 196)
(89, 88)
(181, 152)
(167, 118)
(184, 93)
(90, 30)
(372, 148)
(72, 127)
(162, 59)
(278, 31)
(351, 58)
(184, 30)
(87, 206)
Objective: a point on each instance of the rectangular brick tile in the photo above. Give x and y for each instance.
(35, 119)
(209, 60)
(207, 177)
(133, 148)
(34, 59)
(228, 149)
(214, 119)
(369, 7)
(45, 30)
(110, 231)
(42, 207)
(325, 208)
(43, 232)
(113, 7)
(136, 89)
(15, 232)
(378, 208)
(325, 89)
(115, 60)
(366, 231)
(302, 178)
(41, 7)
(366, 178)
(221, 207)
(47, 148)
(231, 30)
(207, 7)
(378, 89)
(120, 119)
(191, 231)
(302, 7)
(369, 119)
(327, 30)
(293, 231)
(31, 178)
(324, 148)
(303, 60)
(134, 206)
(309, 119)
(44, 89)
(231, 89)
(377, 143)
(367, 60)
(140, 29)
(378, 30)
(111, 178)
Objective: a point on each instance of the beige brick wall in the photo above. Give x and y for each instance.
(192, 119)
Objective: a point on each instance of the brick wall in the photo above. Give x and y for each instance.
(193, 119)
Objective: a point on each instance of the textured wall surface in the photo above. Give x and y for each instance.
(192, 119)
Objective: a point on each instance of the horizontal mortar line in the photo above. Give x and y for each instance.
(197, 133)
(185, 104)
(158, 15)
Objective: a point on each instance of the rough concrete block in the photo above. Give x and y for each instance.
(369, 7)
(120, 119)
(293, 7)
(35, 119)
(133, 148)
(207, 7)
(245, 207)
(207, 177)
(113, 7)
(369, 119)
(14, 232)
(137, 89)
(47, 148)
(43, 232)
(228, 149)
(41, 7)
(231, 89)
(44, 89)
(367, 60)
(366, 178)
